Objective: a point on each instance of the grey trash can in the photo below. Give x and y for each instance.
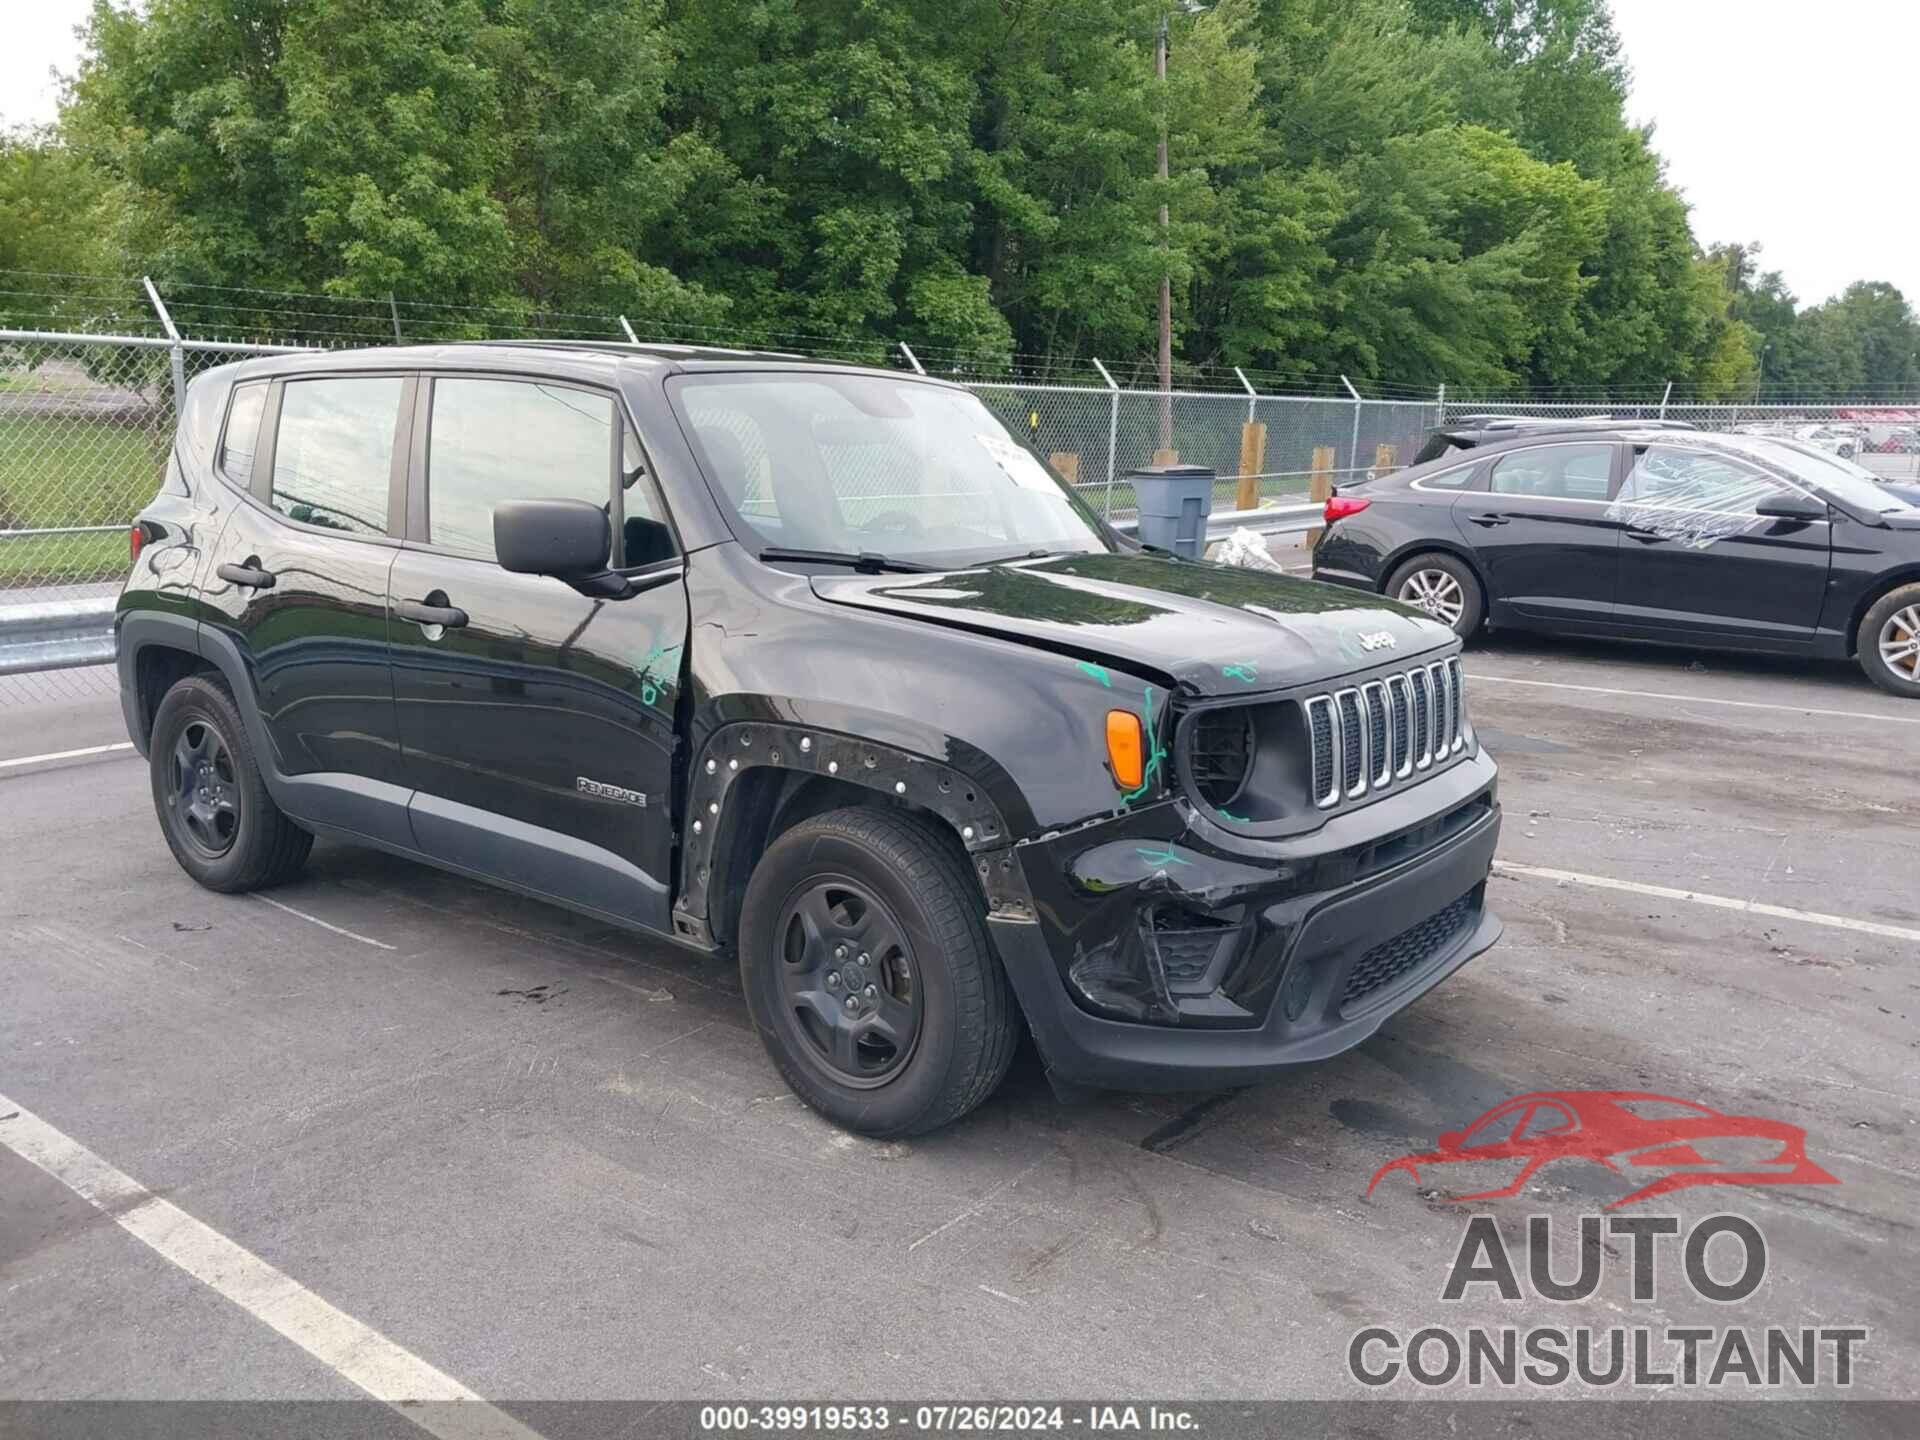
(1174, 503)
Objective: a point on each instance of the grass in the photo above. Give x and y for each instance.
(61, 469)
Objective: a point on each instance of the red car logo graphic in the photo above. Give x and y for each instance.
(1630, 1132)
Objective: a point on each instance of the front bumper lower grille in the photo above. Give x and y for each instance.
(1411, 948)
(1385, 731)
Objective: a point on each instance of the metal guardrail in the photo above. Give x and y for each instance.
(1268, 520)
(56, 635)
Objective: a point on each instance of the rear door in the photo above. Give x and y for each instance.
(538, 724)
(297, 585)
(1697, 561)
(1540, 527)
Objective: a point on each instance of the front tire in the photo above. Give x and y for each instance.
(1443, 587)
(214, 809)
(869, 974)
(1888, 642)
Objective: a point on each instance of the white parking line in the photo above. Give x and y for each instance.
(65, 754)
(325, 924)
(355, 1351)
(1719, 902)
(1481, 675)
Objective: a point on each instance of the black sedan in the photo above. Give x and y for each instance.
(1684, 537)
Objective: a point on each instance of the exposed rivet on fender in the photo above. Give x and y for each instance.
(733, 764)
(712, 765)
(713, 807)
(746, 738)
(872, 760)
(966, 832)
(776, 757)
(833, 767)
(696, 827)
(899, 787)
(805, 744)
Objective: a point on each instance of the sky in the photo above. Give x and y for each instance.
(1781, 121)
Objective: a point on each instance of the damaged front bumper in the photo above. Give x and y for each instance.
(1164, 952)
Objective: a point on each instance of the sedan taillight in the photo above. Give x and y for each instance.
(1341, 506)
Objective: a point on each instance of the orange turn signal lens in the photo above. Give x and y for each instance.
(1126, 750)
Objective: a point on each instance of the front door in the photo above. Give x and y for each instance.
(296, 587)
(537, 723)
(1543, 537)
(1697, 562)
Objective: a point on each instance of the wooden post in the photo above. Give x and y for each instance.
(1384, 458)
(1066, 465)
(1320, 486)
(1253, 459)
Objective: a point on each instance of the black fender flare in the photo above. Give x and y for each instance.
(137, 630)
(739, 748)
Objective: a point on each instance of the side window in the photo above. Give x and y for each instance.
(647, 538)
(496, 440)
(333, 455)
(1460, 478)
(1694, 480)
(1559, 472)
(243, 433)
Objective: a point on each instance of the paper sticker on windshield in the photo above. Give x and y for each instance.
(1017, 462)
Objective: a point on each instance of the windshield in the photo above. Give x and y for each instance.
(868, 463)
(1839, 478)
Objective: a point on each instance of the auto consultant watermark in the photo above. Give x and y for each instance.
(1722, 1258)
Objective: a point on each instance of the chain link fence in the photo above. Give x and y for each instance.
(1881, 436)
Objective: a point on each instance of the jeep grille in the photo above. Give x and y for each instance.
(1385, 730)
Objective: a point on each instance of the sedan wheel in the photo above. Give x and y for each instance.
(1900, 643)
(1437, 593)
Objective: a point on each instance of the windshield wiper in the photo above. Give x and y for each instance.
(866, 562)
(1023, 555)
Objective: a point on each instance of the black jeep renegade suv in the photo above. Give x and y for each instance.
(815, 666)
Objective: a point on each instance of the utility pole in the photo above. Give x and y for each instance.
(1166, 283)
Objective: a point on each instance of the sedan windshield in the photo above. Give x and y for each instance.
(867, 464)
(1845, 481)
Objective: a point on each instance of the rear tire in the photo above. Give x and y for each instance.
(1443, 587)
(214, 809)
(1888, 642)
(869, 974)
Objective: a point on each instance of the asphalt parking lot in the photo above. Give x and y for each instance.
(551, 1161)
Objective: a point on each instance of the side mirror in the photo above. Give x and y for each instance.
(1803, 508)
(569, 540)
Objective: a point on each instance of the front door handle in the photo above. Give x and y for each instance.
(1646, 537)
(1488, 519)
(434, 610)
(250, 576)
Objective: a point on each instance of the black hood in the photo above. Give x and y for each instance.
(1213, 629)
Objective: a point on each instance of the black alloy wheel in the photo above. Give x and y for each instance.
(203, 790)
(850, 989)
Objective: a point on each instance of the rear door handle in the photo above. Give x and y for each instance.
(1488, 519)
(421, 612)
(252, 577)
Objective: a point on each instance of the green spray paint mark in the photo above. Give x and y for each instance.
(1243, 672)
(1237, 819)
(652, 684)
(1159, 857)
(1154, 757)
(1098, 672)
